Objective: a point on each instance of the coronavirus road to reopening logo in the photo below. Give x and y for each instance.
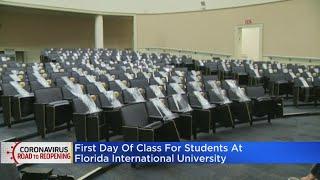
(36, 152)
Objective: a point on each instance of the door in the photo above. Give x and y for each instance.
(248, 42)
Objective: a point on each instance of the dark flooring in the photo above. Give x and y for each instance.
(301, 128)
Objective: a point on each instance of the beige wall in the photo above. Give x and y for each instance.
(32, 30)
(291, 28)
(118, 31)
(130, 6)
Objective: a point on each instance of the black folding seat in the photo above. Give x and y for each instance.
(278, 84)
(143, 75)
(303, 91)
(210, 78)
(71, 90)
(58, 75)
(199, 66)
(222, 114)
(111, 103)
(118, 85)
(290, 76)
(211, 68)
(175, 88)
(203, 111)
(10, 171)
(35, 85)
(116, 72)
(240, 107)
(177, 79)
(51, 111)
(194, 76)
(86, 79)
(178, 103)
(161, 74)
(88, 119)
(255, 77)
(6, 78)
(106, 78)
(240, 74)
(17, 103)
(63, 80)
(263, 104)
(266, 76)
(96, 88)
(307, 74)
(188, 62)
(210, 84)
(138, 126)
(316, 86)
(158, 110)
(126, 76)
(132, 95)
(195, 86)
(155, 91)
(158, 81)
(142, 84)
(180, 71)
(224, 71)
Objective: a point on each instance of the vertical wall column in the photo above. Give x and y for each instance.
(98, 31)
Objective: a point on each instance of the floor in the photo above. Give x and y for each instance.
(302, 128)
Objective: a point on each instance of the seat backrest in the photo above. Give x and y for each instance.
(132, 95)
(135, 115)
(174, 88)
(218, 96)
(154, 91)
(139, 83)
(92, 89)
(210, 77)
(152, 109)
(255, 91)
(197, 99)
(179, 102)
(109, 99)
(9, 90)
(47, 95)
(35, 85)
(79, 106)
(194, 86)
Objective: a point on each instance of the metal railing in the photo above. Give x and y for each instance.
(194, 54)
(293, 59)
(208, 55)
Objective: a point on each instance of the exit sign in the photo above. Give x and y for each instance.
(248, 21)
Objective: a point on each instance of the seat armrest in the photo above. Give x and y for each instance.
(155, 118)
(154, 125)
(196, 107)
(87, 113)
(181, 112)
(264, 98)
(110, 107)
(44, 173)
(25, 97)
(58, 103)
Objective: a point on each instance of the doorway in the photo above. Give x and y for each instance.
(248, 42)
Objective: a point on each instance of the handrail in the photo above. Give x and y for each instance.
(293, 59)
(176, 50)
(204, 54)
